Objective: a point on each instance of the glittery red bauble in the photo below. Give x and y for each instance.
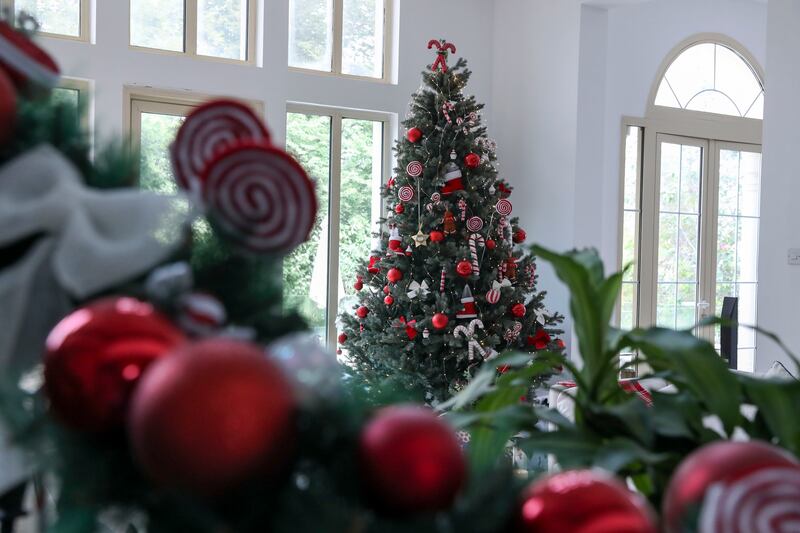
(472, 160)
(399, 209)
(342, 338)
(358, 285)
(96, 355)
(440, 320)
(388, 300)
(518, 310)
(437, 236)
(414, 135)
(750, 480)
(520, 236)
(589, 501)
(386, 289)
(411, 461)
(362, 312)
(490, 244)
(212, 415)
(394, 275)
(8, 107)
(464, 268)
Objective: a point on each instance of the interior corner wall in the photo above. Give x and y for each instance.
(779, 282)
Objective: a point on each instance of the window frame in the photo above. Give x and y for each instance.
(85, 25)
(85, 90)
(337, 46)
(190, 35)
(337, 115)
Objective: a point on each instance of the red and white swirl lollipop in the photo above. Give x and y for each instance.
(504, 207)
(25, 62)
(415, 169)
(475, 224)
(260, 198)
(209, 130)
(406, 193)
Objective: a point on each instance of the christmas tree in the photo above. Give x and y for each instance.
(448, 288)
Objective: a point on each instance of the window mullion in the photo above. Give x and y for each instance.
(334, 206)
(190, 27)
(648, 253)
(338, 24)
(708, 228)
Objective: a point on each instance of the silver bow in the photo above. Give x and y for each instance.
(416, 289)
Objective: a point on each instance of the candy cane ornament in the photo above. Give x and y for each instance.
(462, 206)
(441, 283)
(442, 49)
(468, 333)
(447, 107)
(475, 240)
(513, 334)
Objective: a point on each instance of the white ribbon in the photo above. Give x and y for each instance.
(416, 289)
(497, 285)
(468, 333)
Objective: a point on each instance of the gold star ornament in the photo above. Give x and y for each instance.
(420, 239)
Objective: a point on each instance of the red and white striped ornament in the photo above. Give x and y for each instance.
(200, 314)
(405, 193)
(260, 197)
(25, 62)
(462, 206)
(504, 208)
(414, 169)
(493, 294)
(441, 283)
(475, 240)
(475, 224)
(209, 130)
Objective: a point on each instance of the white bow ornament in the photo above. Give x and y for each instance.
(416, 289)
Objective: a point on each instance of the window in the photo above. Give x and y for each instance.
(691, 182)
(349, 37)
(77, 93)
(221, 29)
(345, 152)
(59, 18)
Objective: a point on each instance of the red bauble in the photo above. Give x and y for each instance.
(437, 236)
(342, 338)
(362, 312)
(464, 268)
(399, 209)
(440, 320)
(386, 289)
(414, 135)
(520, 236)
(388, 300)
(411, 461)
(751, 481)
(8, 108)
(96, 355)
(358, 285)
(518, 310)
(212, 415)
(490, 244)
(472, 160)
(394, 275)
(589, 501)
(373, 261)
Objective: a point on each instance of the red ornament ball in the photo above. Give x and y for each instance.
(411, 461)
(389, 300)
(582, 500)
(518, 310)
(520, 236)
(362, 311)
(394, 275)
(736, 486)
(342, 338)
(437, 236)
(464, 268)
(339, 352)
(399, 209)
(212, 415)
(491, 244)
(8, 108)
(95, 357)
(414, 135)
(386, 289)
(358, 285)
(472, 160)
(440, 320)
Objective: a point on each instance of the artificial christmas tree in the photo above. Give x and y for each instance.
(447, 201)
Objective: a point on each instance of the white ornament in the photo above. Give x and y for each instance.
(468, 333)
(416, 289)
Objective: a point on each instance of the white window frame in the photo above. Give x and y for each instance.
(85, 90)
(337, 115)
(86, 13)
(714, 131)
(337, 46)
(190, 35)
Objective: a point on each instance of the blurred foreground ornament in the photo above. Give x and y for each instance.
(30, 68)
(314, 370)
(8, 108)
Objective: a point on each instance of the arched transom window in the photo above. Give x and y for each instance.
(713, 78)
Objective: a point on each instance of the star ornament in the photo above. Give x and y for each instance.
(420, 239)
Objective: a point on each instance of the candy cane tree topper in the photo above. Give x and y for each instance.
(442, 49)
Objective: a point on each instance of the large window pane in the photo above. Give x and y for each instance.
(222, 28)
(158, 132)
(158, 24)
(305, 273)
(311, 34)
(362, 38)
(55, 16)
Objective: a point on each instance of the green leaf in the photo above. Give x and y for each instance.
(778, 404)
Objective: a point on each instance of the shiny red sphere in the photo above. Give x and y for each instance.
(342, 338)
(437, 236)
(96, 355)
(386, 289)
(362, 311)
(718, 464)
(464, 268)
(358, 285)
(520, 236)
(8, 107)
(588, 501)
(490, 244)
(410, 461)
(211, 416)
(472, 160)
(389, 300)
(399, 209)
(394, 275)
(440, 320)
(414, 135)
(518, 310)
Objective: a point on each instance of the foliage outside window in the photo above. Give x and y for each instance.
(61, 18)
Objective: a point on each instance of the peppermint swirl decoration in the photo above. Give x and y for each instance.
(260, 198)
(406, 193)
(209, 130)
(504, 208)
(475, 224)
(414, 169)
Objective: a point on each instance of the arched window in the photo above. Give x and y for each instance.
(691, 193)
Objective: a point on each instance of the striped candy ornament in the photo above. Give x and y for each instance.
(209, 130)
(493, 296)
(475, 224)
(260, 197)
(24, 61)
(405, 193)
(475, 240)
(504, 208)
(414, 169)
(200, 314)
